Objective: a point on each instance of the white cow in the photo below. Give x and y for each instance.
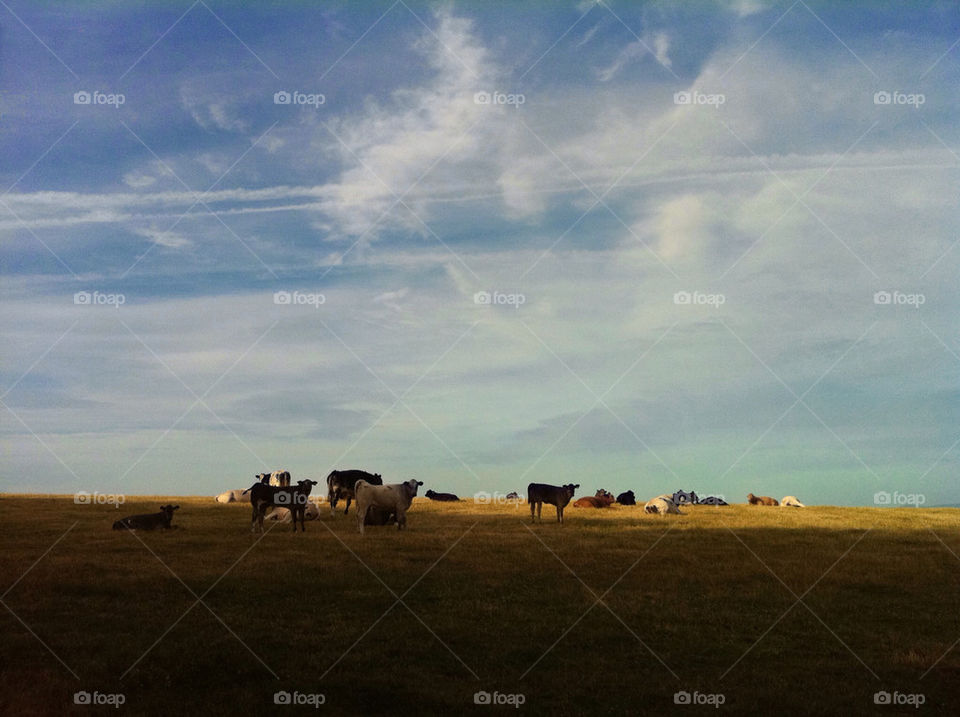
(233, 496)
(791, 500)
(661, 505)
(282, 515)
(393, 498)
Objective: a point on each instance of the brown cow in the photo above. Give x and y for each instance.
(597, 501)
(761, 500)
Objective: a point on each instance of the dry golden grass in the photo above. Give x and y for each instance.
(700, 601)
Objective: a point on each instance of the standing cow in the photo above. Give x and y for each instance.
(342, 484)
(558, 495)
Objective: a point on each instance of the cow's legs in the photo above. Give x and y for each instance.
(347, 509)
(539, 511)
(361, 517)
(532, 508)
(333, 499)
(253, 519)
(401, 519)
(559, 514)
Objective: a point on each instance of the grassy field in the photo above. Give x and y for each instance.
(704, 603)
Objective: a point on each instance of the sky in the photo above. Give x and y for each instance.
(647, 246)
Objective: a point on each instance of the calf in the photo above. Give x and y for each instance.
(761, 500)
(341, 484)
(264, 496)
(557, 495)
(602, 499)
(148, 521)
(447, 497)
(394, 498)
(627, 498)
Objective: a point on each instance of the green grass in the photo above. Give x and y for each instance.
(695, 594)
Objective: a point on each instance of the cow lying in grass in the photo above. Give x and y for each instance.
(264, 496)
(443, 497)
(233, 496)
(662, 505)
(761, 500)
(148, 521)
(791, 501)
(558, 495)
(394, 498)
(603, 499)
(283, 515)
(627, 498)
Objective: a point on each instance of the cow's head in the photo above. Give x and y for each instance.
(411, 486)
(430, 494)
(571, 488)
(168, 509)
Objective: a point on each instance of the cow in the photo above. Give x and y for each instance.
(513, 495)
(283, 515)
(445, 497)
(279, 479)
(232, 496)
(557, 495)
(295, 498)
(148, 521)
(394, 498)
(340, 484)
(791, 501)
(761, 500)
(661, 505)
(603, 499)
(627, 498)
(713, 500)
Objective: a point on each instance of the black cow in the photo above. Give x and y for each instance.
(341, 484)
(540, 493)
(148, 521)
(627, 498)
(447, 497)
(295, 498)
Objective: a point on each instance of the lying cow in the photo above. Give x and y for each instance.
(341, 484)
(791, 501)
(662, 505)
(395, 498)
(233, 496)
(603, 499)
(558, 495)
(264, 496)
(513, 495)
(627, 498)
(761, 500)
(148, 521)
(445, 497)
(713, 500)
(282, 515)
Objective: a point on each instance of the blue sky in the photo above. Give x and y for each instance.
(778, 164)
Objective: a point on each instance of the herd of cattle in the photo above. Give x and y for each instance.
(379, 504)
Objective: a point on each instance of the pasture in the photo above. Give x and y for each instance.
(704, 603)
